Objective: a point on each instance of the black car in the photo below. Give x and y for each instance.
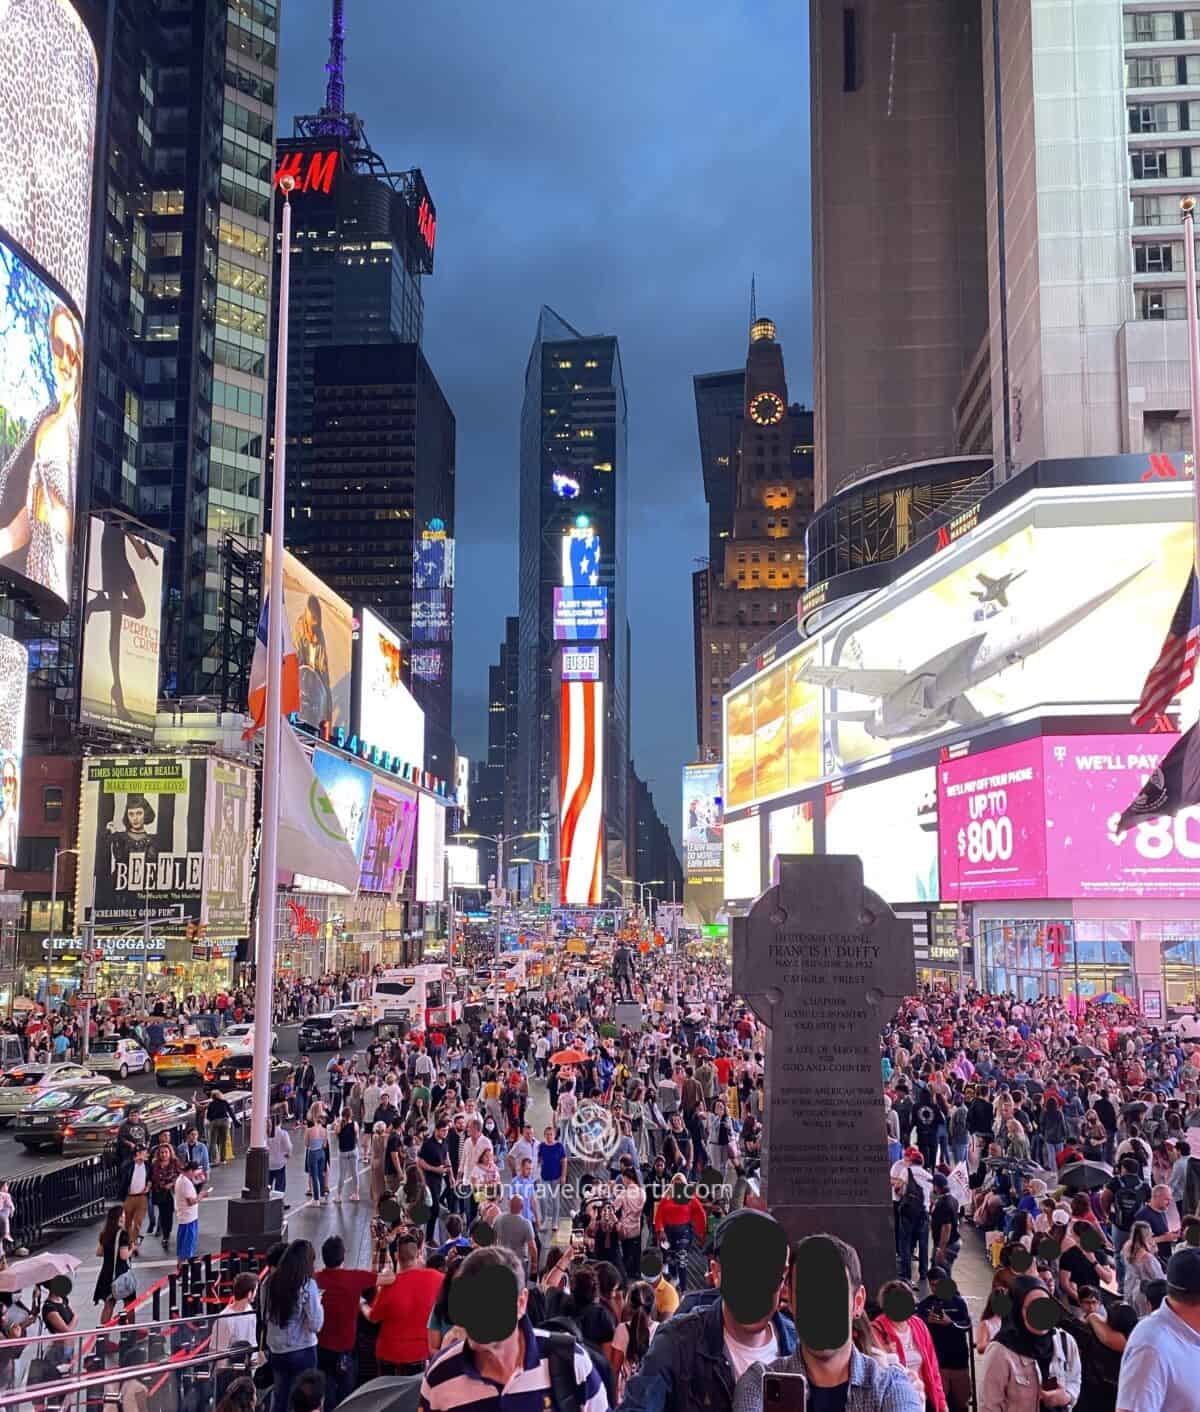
(44, 1123)
(236, 1073)
(325, 1032)
(95, 1127)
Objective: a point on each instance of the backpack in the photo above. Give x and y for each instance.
(1126, 1203)
(912, 1203)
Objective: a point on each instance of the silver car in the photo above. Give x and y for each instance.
(20, 1086)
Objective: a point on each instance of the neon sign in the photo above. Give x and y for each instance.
(427, 223)
(311, 171)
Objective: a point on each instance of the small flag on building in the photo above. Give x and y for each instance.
(289, 699)
(1176, 664)
(1173, 786)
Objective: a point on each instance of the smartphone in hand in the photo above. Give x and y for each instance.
(785, 1392)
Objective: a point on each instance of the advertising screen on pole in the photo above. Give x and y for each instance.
(790, 829)
(349, 788)
(322, 633)
(431, 850)
(14, 672)
(464, 865)
(892, 825)
(702, 819)
(580, 614)
(388, 715)
(391, 826)
(45, 212)
(1039, 819)
(743, 859)
(581, 794)
(230, 833)
(142, 841)
(121, 622)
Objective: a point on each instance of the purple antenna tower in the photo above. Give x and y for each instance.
(335, 89)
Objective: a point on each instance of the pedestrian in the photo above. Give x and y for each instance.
(187, 1210)
(1029, 1365)
(237, 1322)
(316, 1156)
(135, 1194)
(220, 1119)
(115, 1249)
(279, 1149)
(345, 1155)
(342, 1291)
(402, 1309)
(294, 1318)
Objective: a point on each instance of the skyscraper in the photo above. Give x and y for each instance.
(573, 755)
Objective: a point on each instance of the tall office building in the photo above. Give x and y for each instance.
(175, 380)
(573, 766)
(493, 778)
(899, 259)
(752, 586)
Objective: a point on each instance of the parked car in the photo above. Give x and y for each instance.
(20, 1086)
(239, 1039)
(236, 1071)
(119, 1056)
(331, 1031)
(44, 1122)
(186, 1060)
(95, 1127)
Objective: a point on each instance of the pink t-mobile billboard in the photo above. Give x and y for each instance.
(1038, 819)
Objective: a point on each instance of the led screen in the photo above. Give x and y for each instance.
(427, 663)
(743, 859)
(580, 557)
(229, 829)
(431, 850)
(892, 825)
(433, 562)
(464, 865)
(432, 615)
(581, 664)
(773, 734)
(391, 826)
(142, 839)
(581, 794)
(388, 715)
(349, 789)
(14, 672)
(580, 614)
(702, 819)
(789, 830)
(322, 631)
(739, 748)
(121, 622)
(1038, 819)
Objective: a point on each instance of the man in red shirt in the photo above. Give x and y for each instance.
(402, 1309)
(341, 1291)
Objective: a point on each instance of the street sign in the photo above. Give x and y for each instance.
(87, 997)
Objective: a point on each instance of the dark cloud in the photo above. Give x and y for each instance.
(630, 165)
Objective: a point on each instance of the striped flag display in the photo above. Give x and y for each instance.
(1175, 668)
(581, 795)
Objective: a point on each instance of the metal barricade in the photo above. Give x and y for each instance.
(69, 1194)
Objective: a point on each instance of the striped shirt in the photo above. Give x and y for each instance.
(453, 1382)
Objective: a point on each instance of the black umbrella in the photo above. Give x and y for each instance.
(1134, 1110)
(385, 1395)
(1085, 1176)
(1085, 1051)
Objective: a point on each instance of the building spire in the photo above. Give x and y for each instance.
(753, 300)
(335, 88)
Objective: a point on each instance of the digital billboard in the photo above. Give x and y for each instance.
(433, 560)
(790, 829)
(892, 825)
(581, 664)
(773, 734)
(14, 672)
(388, 715)
(431, 850)
(229, 805)
(427, 663)
(122, 616)
(464, 865)
(580, 557)
(391, 826)
(743, 859)
(142, 841)
(432, 615)
(581, 794)
(1025, 614)
(349, 789)
(702, 820)
(45, 206)
(580, 614)
(322, 629)
(1039, 819)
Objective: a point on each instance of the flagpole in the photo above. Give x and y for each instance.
(1188, 208)
(257, 1173)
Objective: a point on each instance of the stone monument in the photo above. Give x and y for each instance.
(823, 962)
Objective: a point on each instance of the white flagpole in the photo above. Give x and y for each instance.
(1188, 207)
(264, 961)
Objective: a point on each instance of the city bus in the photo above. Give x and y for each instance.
(421, 996)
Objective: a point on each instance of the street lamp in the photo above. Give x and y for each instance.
(499, 840)
(58, 853)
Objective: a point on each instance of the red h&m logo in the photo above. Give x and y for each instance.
(427, 223)
(302, 923)
(311, 171)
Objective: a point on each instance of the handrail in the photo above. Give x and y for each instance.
(48, 1391)
(113, 1327)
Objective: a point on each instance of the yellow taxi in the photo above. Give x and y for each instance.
(189, 1060)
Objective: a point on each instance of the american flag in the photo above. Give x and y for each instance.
(1176, 664)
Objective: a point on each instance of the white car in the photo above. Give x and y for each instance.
(1186, 1027)
(119, 1056)
(239, 1039)
(20, 1086)
(358, 1014)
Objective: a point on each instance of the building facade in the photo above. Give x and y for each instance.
(574, 515)
(655, 861)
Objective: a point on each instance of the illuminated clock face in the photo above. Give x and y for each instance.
(767, 409)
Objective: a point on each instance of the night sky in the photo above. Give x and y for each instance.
(630, 165)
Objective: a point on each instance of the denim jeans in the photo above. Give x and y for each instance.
(285, 1368)
(341, 1374)
(958, 1149)
(316, 1172)
(279, 1179)
(914, 1233)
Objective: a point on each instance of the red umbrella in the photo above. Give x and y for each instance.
(569, 1056)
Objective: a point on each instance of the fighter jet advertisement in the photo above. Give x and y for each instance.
(1066, 617)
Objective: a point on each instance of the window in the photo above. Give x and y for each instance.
(167, 203)
(1154, 211)
(36, 855)
(1151, 73)
(1162, 304)
(52, 803)
(166, 244)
